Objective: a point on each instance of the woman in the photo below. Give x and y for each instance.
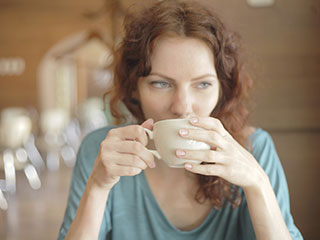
(177, 60)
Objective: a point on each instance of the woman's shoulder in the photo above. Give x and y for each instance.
(259, 136)
(262, 147)
(97, 136)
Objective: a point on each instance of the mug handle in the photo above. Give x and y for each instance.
(150, 135)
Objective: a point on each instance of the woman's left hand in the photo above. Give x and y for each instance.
(226, 158)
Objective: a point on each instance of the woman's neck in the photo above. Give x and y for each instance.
(165, 177)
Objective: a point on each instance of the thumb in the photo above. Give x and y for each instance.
(148, 124)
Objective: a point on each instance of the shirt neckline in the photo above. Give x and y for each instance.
(147, 190)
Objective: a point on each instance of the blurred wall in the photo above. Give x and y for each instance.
(282, 47)
(28, 29)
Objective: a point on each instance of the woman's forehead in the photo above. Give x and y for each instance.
(191, 56)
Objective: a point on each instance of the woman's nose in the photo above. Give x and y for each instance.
(181, 105)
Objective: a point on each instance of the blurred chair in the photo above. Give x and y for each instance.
(91, 115)
(16, 132)
(52, 123)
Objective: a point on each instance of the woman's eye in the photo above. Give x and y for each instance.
(204, 85)
(160, 84)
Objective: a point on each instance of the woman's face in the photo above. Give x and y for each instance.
(183, 81)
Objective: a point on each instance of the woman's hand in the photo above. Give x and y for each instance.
(122, 153)
(226, 158)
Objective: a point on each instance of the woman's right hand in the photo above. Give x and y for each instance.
(122, 153)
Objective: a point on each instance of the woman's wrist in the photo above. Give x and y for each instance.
(260, 182)
(264, 210)
(98, 179)
(94, 185)
(89, 215)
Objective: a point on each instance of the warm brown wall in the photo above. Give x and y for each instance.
(28, 29)
(282, 44)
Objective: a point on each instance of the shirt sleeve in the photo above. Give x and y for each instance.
(86, 156)
(265, 153)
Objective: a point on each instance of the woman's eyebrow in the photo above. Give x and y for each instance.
(161, 75)
(171, 79)
(205, 76)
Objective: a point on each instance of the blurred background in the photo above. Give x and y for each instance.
(55, 61)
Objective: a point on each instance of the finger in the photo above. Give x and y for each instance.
(209, 123)
(119, 170)
(136, 148)
(148, 124)
(206, 169)
(210, 137)
(208, 156)
(130, 160)
(133, 132)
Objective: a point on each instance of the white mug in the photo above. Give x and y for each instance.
(167, 140)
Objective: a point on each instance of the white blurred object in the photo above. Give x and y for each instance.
(72, 133)
(32, 176)
(69, 155)
(53, 121)
(21, 155)
(33, 153)
(9, 170)
(13, 66)
(3, 202)
(261, 3)
(53, 161)
(91, 114)
(19, 147)
(16, 127)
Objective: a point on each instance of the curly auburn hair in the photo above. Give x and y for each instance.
(133, 60)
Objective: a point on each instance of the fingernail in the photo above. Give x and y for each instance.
(180, 153)
(153, 165)
(194, 120)
(188, 165)
(183, 132)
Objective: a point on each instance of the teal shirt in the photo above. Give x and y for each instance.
(132, 211)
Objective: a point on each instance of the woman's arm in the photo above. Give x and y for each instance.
(118, 156)
(230, 161)
(88, 218)
(265, 213)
